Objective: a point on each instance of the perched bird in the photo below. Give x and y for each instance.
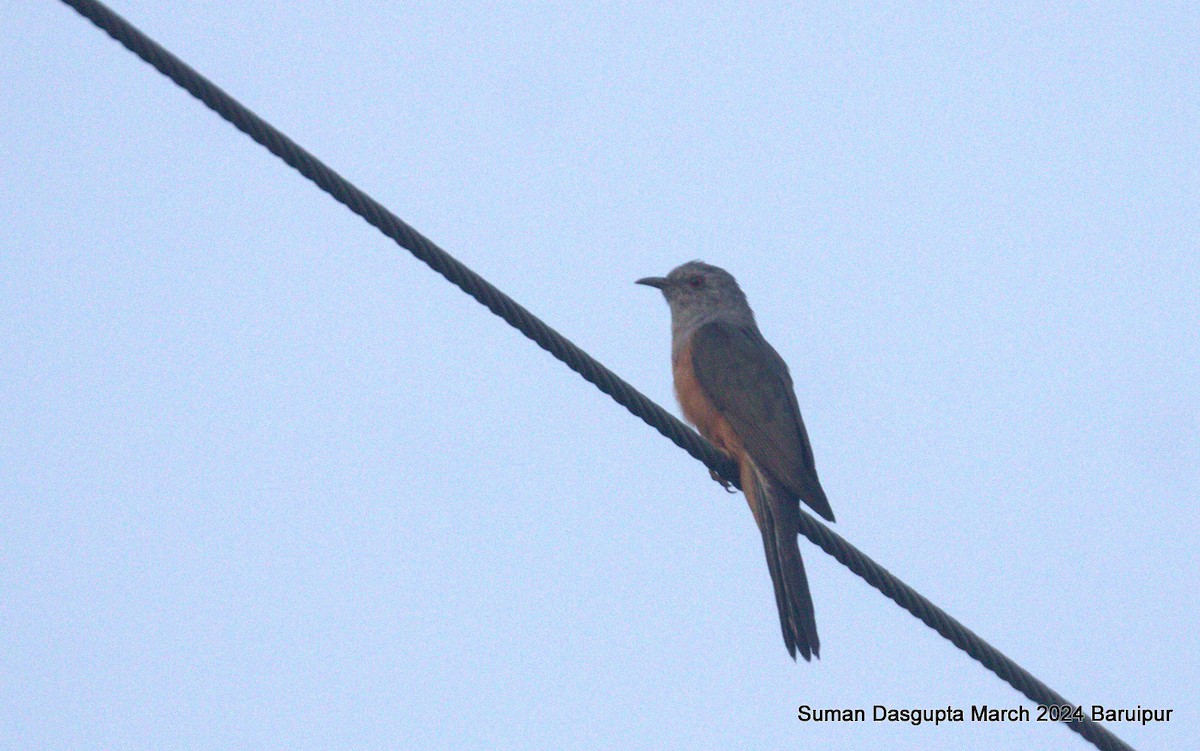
(736, 389)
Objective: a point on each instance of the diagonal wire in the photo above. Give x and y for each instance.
(575, 358)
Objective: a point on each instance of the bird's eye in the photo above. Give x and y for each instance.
(695, 282)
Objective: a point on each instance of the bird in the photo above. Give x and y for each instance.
(737, 391)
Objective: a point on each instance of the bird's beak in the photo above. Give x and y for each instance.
(657, 282)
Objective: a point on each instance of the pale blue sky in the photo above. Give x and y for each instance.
(268, 482)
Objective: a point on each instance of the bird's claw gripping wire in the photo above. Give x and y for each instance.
(729, 488)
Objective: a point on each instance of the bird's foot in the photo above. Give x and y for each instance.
(729, 488)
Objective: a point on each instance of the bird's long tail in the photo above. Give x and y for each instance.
(778, 522)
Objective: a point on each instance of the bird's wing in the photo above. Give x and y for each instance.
(747, 380)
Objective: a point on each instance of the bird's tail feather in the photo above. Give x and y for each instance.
(779, 526)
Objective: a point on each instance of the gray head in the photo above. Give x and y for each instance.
(699, 292)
